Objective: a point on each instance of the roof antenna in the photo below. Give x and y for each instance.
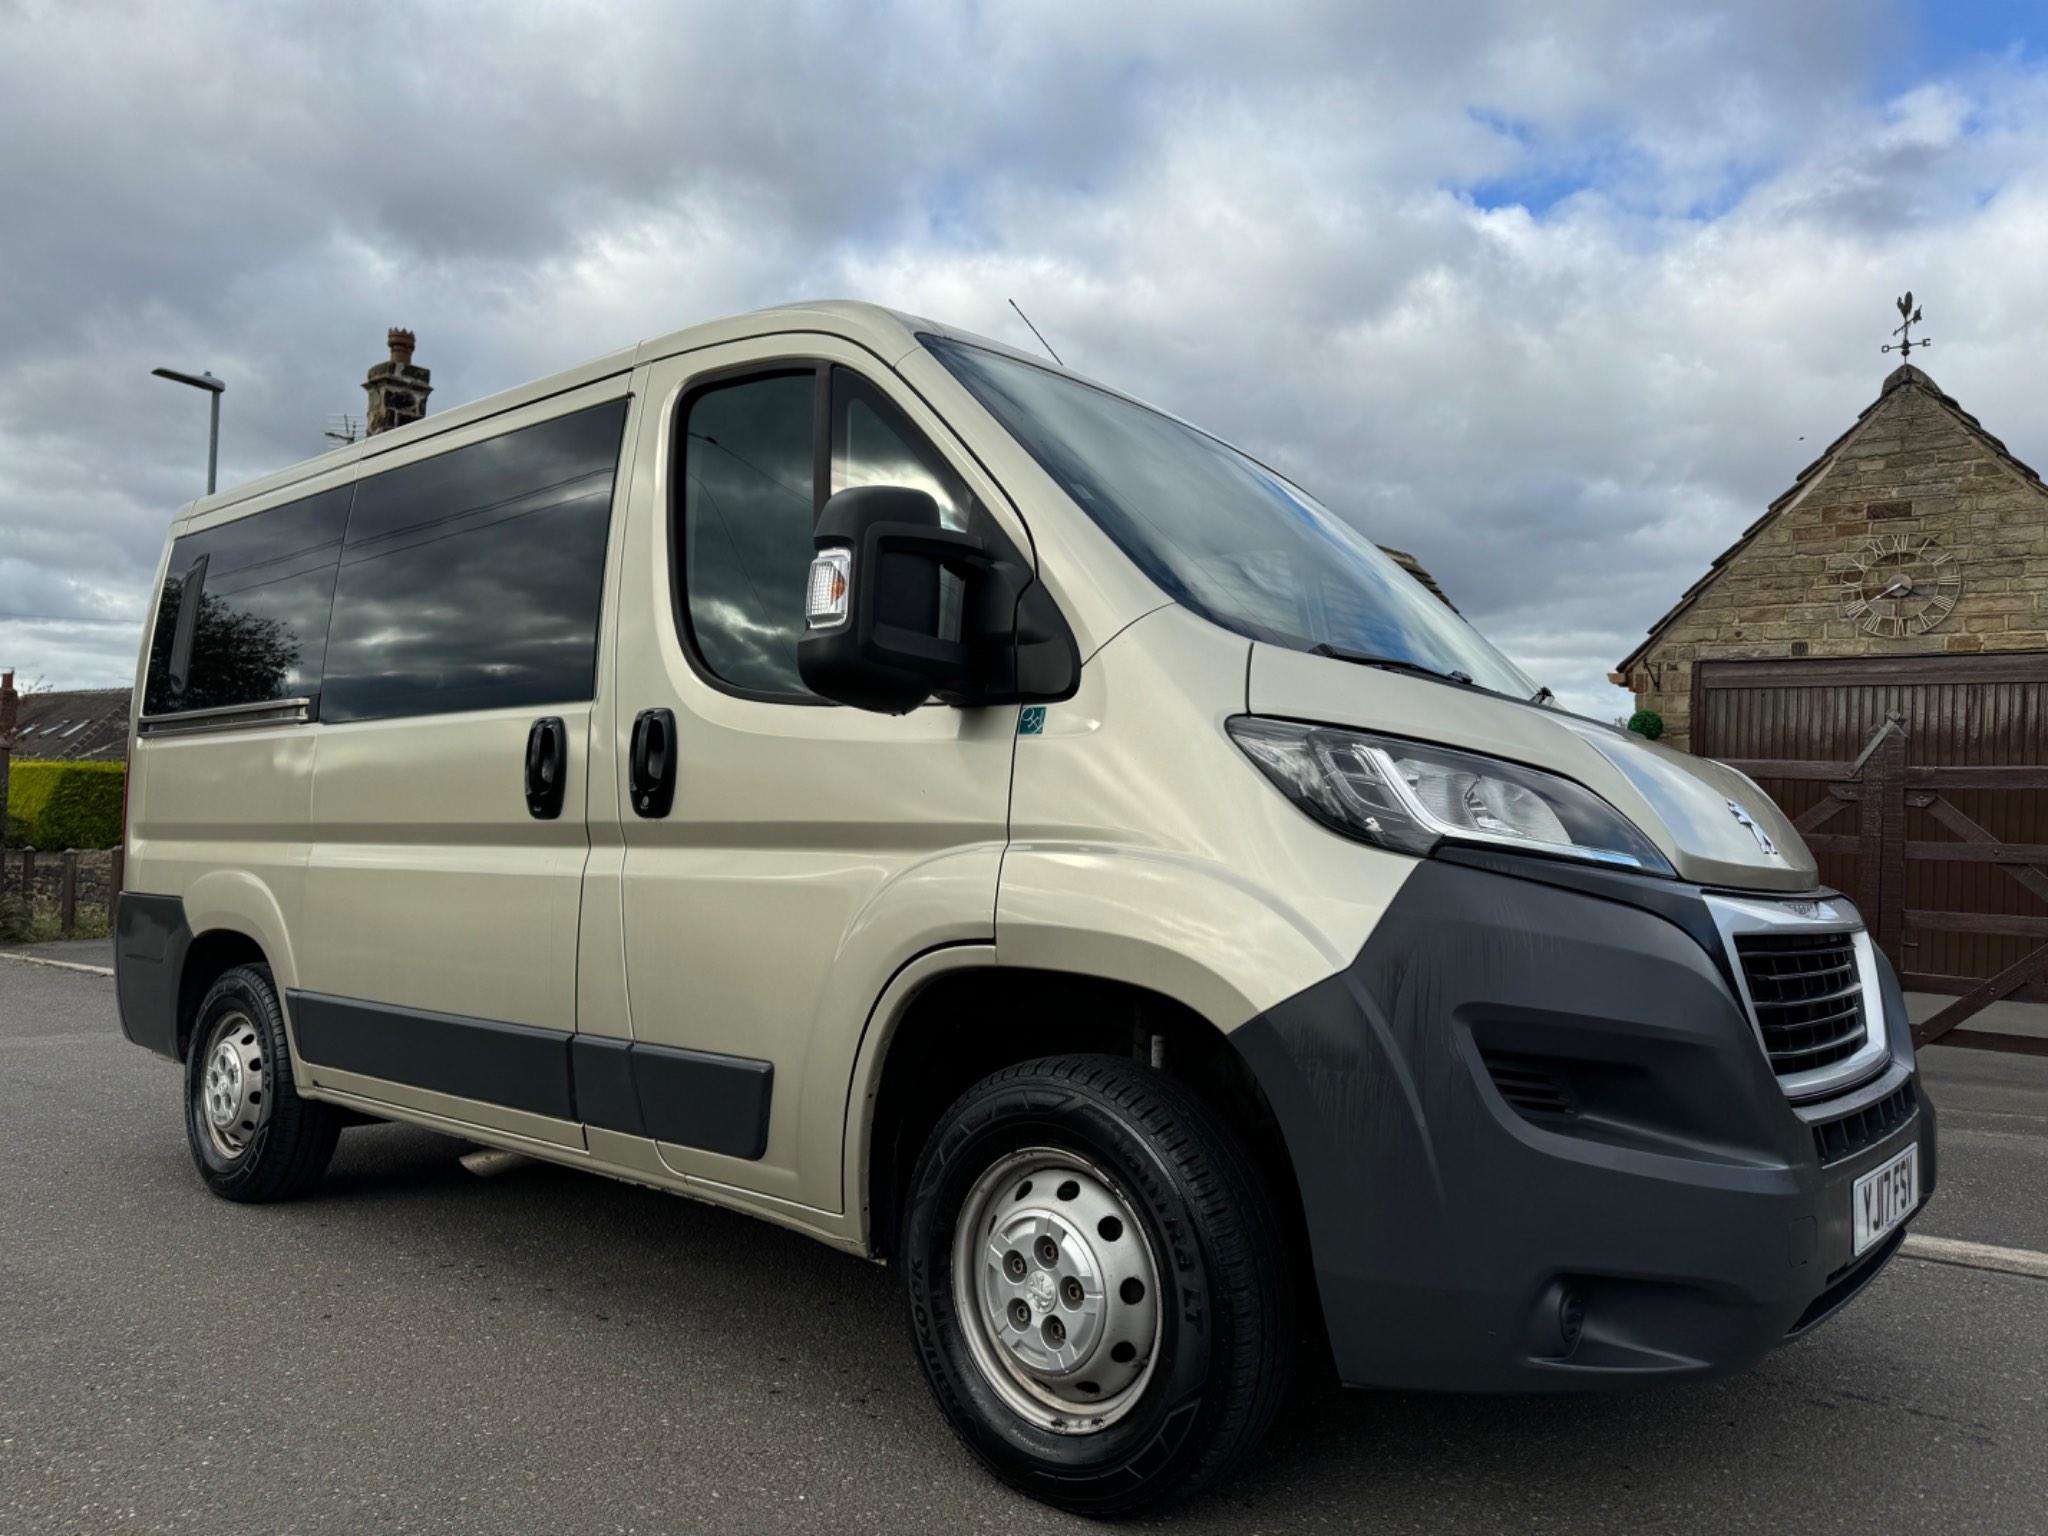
(1035, 331)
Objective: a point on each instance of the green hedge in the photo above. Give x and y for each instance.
(53, 806)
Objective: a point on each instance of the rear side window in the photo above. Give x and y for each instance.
(244, 609)
(473, 580)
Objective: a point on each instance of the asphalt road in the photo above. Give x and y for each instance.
(420, 1350)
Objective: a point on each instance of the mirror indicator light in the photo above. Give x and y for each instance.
(825, 594)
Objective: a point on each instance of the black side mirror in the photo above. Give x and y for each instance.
(900, 608)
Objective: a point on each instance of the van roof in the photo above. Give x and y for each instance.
(887, 333)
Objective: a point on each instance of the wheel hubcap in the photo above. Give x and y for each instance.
(232, 1089)
(1059, 1289)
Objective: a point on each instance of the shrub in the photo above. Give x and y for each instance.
(1647, 723)
(53, 806)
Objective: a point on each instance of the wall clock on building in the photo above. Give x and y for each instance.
(1900, 584)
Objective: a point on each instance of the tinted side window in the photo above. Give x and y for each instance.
(473, 580)
(749, 501)
(873, 444)
(262, 587)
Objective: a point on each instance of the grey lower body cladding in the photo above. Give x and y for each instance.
(150, 942)
(1540, 1148)
(700, 1099)
(688, 1098)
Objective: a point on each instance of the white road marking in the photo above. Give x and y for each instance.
(1949, 1250)
(62, 965)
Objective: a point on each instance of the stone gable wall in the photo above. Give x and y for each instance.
(1913, 469)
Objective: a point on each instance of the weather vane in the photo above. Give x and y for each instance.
(1910, 315)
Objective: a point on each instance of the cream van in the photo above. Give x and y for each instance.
(847, 770)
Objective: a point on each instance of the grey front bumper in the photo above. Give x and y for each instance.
(1535, 1090)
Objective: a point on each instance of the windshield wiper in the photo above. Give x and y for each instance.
(1390, 663)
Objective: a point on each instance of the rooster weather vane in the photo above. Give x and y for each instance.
(1909, 313)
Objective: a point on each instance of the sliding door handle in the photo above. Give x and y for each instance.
(547, 768)
(651, 767)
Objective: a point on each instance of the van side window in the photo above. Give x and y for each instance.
(749, 502)
(873, 444)
(473, 579)
(260, 589)
(755, 472)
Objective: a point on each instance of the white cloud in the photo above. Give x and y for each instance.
(1302, 226)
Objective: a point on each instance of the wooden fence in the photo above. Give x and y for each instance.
(1896, 804)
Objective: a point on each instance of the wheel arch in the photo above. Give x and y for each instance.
(234, 919)
(966, 1016)
(211, 955)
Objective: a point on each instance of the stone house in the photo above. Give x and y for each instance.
(1873, 653)
(1916, 532)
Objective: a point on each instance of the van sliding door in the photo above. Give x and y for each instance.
(437, 956)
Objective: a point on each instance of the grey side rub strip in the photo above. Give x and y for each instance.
(689, 1098)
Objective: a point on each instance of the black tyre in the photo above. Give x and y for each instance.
(1099, 1296)
(252, 1136)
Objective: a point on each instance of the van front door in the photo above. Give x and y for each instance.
(783, 857)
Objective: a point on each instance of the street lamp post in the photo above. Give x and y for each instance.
(213, 387)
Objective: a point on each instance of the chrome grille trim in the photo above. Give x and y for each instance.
(1789, 1028)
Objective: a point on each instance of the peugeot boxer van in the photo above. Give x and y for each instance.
(843, 769)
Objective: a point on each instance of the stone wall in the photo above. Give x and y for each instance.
(45, 876)
(1913, 468)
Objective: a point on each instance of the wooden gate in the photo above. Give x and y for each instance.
(1921, 784)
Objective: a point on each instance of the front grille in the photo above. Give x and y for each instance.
(1866, 1127)
(1808, 997)
(1533, 1087)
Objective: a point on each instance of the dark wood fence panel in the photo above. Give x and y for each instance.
(1922, 786)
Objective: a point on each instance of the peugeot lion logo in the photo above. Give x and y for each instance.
(1763, 838)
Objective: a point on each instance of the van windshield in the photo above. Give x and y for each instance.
(1218, 531)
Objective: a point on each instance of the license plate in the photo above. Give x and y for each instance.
(1885, 1196)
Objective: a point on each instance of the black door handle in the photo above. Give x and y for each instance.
(652, 765)
(547, 768)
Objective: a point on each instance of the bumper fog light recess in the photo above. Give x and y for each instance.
(826, 593)
(1556, 1319)
(1571, 1317)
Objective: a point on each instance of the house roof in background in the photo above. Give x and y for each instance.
(1903, 377)
(1413, 567)
(88, 725)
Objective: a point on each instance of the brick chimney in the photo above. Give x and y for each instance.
(397, 389)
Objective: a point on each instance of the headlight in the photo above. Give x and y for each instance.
(1410, 797)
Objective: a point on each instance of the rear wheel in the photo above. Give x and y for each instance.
(1097, 1293)
(252, 1136)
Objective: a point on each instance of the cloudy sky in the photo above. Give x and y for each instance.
(1556, 295)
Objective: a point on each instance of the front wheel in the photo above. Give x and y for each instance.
(1098, 1295)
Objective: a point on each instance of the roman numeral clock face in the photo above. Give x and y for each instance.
(1900, 584)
